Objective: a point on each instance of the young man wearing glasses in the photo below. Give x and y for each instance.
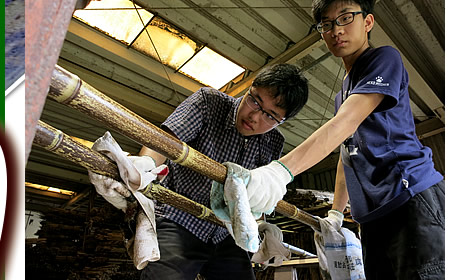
(395, 192)
(226, 129)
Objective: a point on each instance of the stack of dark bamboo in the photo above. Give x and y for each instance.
(74, 246)
(307, 201)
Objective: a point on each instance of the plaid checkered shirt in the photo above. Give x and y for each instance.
(206, 122)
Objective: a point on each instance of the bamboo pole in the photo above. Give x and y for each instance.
(68, 89)
(65, 146)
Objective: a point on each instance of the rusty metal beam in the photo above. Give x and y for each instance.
(46, 26)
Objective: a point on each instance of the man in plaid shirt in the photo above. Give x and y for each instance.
(226, 129)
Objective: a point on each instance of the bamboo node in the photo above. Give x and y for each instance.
(205, 212)
(76, 90)
(57, 139)
(151, 190)
(71, 89)
(296, 212)
(184, 154)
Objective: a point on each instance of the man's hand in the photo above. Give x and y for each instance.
(145, 171)
(267, 186)
(335, 219)
(112, 190)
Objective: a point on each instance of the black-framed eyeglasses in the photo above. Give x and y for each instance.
(341, 20)
(267, 117)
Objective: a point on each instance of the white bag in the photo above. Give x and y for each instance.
(339, 253)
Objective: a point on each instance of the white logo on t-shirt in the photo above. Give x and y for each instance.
(378, 82)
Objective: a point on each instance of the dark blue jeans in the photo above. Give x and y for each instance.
(183, 256)
(409, 242)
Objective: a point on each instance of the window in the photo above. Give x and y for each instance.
(159, 39)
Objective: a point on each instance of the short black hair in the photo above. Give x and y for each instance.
(320, 6)
(287, 83)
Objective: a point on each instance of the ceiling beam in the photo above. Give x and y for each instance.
(77, 198)
(59, 172)
(47, 193)
(429, 128)
(429, 9)
(60, 183)
(397, 25)
(99, 43)
(293, 51)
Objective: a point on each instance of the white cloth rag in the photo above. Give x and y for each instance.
(230, 204)
(271, 247)
(143, 247)
(339, 252)
(130, 172)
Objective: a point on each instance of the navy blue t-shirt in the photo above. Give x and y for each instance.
(384, 162)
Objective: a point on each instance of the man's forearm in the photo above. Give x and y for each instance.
(159, 158)
(328, 137)
(318, 145)
(341, 196)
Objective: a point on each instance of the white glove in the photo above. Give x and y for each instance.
(335, 219)
(267, 186)
(147, 171)
(112, 190)
(268, 228)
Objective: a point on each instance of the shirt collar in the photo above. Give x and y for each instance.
(231, 119)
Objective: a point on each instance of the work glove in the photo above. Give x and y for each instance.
(116, 192)
(267, 186)
(334, 219)
(111, 190)
(147, 171)
(135, 171)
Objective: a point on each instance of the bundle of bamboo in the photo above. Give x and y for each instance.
(75, 246)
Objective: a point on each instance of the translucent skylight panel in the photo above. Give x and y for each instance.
(118, 18)
(160, 40)
(212, 69)
(174, 47)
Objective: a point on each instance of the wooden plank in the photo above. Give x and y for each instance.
(295, 262)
